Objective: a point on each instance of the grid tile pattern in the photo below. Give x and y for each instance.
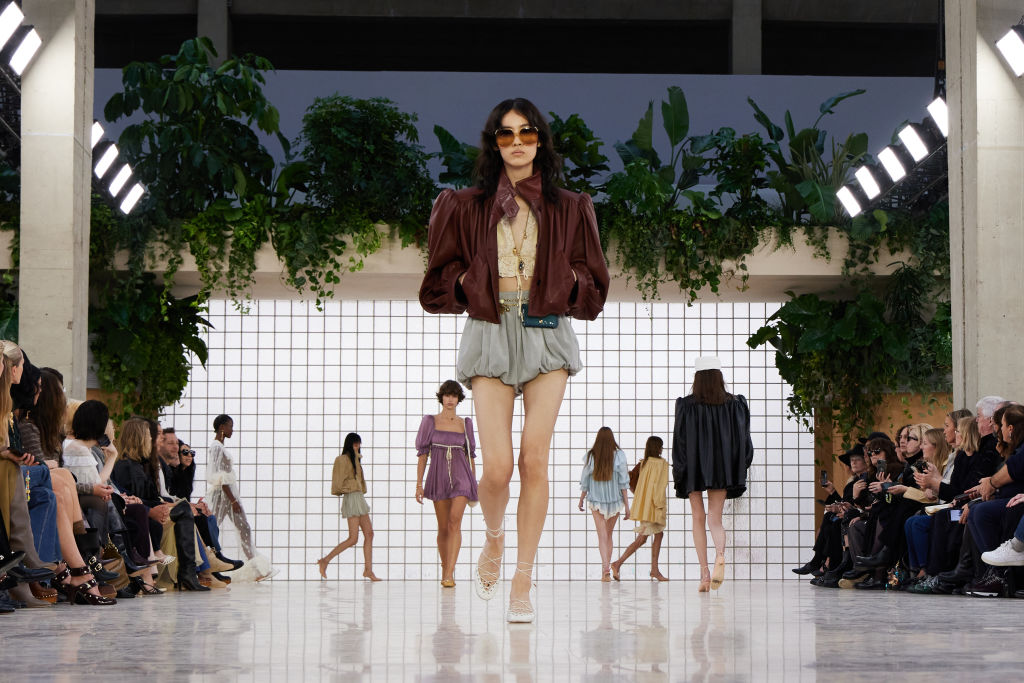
(296, 380)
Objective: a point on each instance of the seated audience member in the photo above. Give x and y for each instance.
(856, 517)
(895, 507)
(828, 546)
(172, 526)
(986, 518)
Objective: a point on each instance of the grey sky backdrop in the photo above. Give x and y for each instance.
(611, 104)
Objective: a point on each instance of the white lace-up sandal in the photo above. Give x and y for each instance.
(487, 588)
(521, 611)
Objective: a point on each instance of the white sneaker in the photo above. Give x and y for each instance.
(1004, 556)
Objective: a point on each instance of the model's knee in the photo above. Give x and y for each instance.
(454, 527)
(368, 537)
(533, 470)
(642, 540)
(496, 476)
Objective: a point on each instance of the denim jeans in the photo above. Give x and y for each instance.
(42, 509)
(918, 531)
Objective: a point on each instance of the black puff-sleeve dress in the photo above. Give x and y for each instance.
(711, 446)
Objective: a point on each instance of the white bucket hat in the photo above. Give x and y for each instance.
(707, 363)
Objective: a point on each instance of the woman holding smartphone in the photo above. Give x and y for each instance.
(520, 255)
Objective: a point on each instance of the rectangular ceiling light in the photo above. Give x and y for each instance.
(120, 179)
(849, 202)
(133, 197)
(97, 133)
(10, 20)
(106, 161)
(913, 142)
(867, 182)
(25, 52)
(1012, 47)
(940, 115)
(892, 164)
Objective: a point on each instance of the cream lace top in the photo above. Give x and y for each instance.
(510, 263)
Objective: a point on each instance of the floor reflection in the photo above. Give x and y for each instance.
(585, 631)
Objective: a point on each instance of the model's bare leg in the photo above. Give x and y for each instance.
(627, 553)
(442, 508)
(353, 538)
(700, 535)
(367, 527)
(716, 504)
(455, 514)
(655, 553)
(542, 398)
(493, 402)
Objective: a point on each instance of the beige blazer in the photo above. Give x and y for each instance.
(344, 479)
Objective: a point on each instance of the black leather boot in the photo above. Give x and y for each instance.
(184, 538)
(118, 538)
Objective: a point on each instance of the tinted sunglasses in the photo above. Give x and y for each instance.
(528, 135)
(875, 451)
(187, 451)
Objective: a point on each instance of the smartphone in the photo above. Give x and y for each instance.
(103, 441)
(824, 478)
(954, 515)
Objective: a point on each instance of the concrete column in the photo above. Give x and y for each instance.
(56, 160)
(986, 166)
(214, 22)
(746, 36)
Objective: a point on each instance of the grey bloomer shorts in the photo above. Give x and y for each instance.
(513, 353)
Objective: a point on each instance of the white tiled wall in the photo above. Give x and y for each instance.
(296, 380)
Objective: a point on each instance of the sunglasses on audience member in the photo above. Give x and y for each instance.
(187, 451)
(876, 451)
(528, 135)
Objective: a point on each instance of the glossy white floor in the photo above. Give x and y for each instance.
(586, 630)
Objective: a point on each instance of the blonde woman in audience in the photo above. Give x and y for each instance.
(348, 481)
(649, 505)
(222, 488)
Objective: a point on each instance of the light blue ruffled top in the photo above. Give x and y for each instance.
(605, 492)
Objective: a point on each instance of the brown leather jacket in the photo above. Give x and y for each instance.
(463, 238)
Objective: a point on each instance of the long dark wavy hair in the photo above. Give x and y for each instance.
(48, 413)
(489, 164)
(349, 449)
(709, 387)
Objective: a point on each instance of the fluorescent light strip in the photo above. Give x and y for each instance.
(867, 182)
(913, 142)
(28, 48)
(1012, 48)
(120, 179)
(106, 161)
(892, 164)
(97, 133)
(940, 115)
(10, 20)
(133, 197)
(849, 202)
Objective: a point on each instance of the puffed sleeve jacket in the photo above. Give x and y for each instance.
(463, 239)
(345, 478)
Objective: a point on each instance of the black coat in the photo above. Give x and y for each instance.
(132, 477)
(179, 479)
(711, 446)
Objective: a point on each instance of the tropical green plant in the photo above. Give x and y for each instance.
(365, 165)
(580, 151)
(141, 337)
(457, 158)
(806, 181)
(198, 153)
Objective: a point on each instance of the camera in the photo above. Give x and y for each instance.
(920, 465)
(103, 441)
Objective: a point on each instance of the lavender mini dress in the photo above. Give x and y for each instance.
(450, 473)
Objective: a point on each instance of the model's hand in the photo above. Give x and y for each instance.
(236, 506)
(581, 505)
(625, 515)
(419, 494)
